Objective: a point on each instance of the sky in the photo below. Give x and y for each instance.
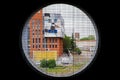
(73, 18)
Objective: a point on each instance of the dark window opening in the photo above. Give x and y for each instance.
(47, 14)
(50, 46)
(36, 40)
(55, 46)
(33, 40)
(39, 40)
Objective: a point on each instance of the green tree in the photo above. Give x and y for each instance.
(66, 43)
(90, 37)
(77, 50)
(73, 45)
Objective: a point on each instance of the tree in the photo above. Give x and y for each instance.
(90, 37)
(66, 43)
(77, 50)
(73, 45)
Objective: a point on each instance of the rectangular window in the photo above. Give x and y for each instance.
(36, 46)
(56, 40)
(52, 40)
(39, 32)
(33, 40)
(39, 46)
(39, 40)
(44, 40)
(33, 32)
(43, 46)
(36, 40)
(55, 46)
(33, 46)
(55, 20)
(50, 46)
(38, 24)
(47, 14)
(49, 20)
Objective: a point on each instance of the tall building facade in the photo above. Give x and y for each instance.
(46, 32)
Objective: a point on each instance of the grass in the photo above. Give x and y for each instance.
(61, 70)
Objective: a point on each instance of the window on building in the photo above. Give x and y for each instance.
(38, 24)
(33, 40)
(47, 14)
(33, 46)
(44, 46)
(49, 20)
(56, 40)
(52, 40)
(36, 40)
(36, 46)
(50, 46)
(55, 46)
(28, 46)
(39, 40)
(39, 46)
(33, 32)
(44, 40)
(39, 32)
(47, 49)
(55, 20)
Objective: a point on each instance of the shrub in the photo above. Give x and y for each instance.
(78, 50)
(48, 63)
(51, 63)
(43, 63)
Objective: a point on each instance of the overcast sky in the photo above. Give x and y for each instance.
(73, 17)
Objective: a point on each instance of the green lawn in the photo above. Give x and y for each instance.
(64, 69)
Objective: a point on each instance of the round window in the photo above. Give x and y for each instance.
(60, 40)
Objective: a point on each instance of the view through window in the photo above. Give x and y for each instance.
(60, 40)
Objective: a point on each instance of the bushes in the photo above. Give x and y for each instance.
(43, 63)
(78, 50)
(48, 63)
(51, 63)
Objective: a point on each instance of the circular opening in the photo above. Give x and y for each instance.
(60, 40)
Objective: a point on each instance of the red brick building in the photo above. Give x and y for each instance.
(37, 41)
